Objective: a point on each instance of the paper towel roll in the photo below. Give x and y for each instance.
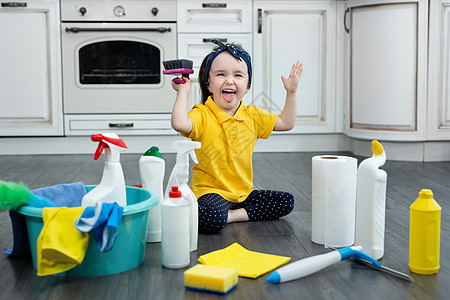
(333, 200)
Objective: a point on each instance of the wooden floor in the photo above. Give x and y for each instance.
(289, 236)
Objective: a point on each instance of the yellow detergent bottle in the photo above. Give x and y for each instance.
(424, 234)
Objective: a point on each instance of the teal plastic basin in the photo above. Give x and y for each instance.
(129, 248)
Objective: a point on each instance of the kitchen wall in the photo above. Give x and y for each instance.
(357, 85)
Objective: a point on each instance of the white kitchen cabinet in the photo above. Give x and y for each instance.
(30, 69)
(439, 68)
(196, 46)
(387, 69)
(203, 16)
(122, 124)
(199, 22)
(286, 32)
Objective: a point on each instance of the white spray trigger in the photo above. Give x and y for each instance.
(185, 147)
(193, 156)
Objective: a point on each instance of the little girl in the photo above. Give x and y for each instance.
(228, 131)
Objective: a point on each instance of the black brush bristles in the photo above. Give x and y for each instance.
(178, 64)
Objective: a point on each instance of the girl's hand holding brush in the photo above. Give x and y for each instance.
(179, 86)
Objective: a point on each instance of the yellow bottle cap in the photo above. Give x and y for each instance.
(425, 202)
(426, 194)
(377, 148)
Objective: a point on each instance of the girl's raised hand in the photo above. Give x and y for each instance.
(182, 86)
(290, 84)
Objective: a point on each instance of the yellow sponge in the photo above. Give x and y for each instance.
(212, 279)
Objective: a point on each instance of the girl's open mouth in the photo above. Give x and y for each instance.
(228, 95)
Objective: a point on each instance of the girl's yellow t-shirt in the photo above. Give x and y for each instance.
(225, 157)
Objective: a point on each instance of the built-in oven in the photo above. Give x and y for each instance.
(112, 54)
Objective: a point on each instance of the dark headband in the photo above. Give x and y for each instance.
(236, 51)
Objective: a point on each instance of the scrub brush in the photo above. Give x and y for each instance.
(14, 195)
(182, 67)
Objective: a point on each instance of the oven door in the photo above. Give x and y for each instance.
(117, 67)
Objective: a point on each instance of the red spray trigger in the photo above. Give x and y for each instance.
(99, 150)
(96, 137)
(102, 145)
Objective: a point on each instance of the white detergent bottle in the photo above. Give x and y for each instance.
(175, 252)
(180, 177)
(371, 203)
(112, 186)
(152, 168)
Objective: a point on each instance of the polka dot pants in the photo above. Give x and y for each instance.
(260, 205)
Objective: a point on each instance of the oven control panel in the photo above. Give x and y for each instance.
(119, 10)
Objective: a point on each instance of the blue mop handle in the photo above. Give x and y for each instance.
(307, 266)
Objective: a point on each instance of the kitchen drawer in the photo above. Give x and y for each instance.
(153, 124)
(196, 46)
(215, 16)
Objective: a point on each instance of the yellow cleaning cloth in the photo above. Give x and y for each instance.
(60, 246)
(249, 263)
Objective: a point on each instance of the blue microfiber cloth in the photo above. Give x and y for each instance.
(69, 195)
(20, 236)
(40, 202)
(103, 220)
(19, 228)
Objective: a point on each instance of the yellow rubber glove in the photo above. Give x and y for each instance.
(60, 246)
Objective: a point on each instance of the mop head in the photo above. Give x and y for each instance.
(14, 195)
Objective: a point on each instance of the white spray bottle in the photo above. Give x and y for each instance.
(112, 186)
(175, 239)
(152, 168)
(180, 177)
(371, 203)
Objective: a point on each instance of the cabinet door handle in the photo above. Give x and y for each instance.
(14, 4)
(214, 5)
(209, 40)
(121, 125)
(260, 20)
(345, 20)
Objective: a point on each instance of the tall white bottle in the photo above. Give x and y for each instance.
(371, 203)
(152, 168)
(175, 252)
(112, 186)
(180, 177)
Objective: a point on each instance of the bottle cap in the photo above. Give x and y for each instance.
(175, 193)
(153, 151)
(426, 194)
(377, 148)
